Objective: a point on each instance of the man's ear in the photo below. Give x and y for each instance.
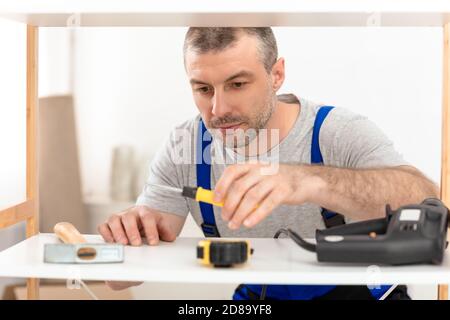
(278, 74)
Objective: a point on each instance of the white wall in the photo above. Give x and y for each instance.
(12, 113)
(392, 75)
(55, 61)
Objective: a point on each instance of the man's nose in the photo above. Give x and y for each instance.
(219, 105)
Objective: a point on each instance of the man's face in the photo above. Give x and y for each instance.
(232, 91)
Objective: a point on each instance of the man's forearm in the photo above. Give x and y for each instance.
(363, 193)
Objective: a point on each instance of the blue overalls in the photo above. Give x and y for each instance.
(209, 228)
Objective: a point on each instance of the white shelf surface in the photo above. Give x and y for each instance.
(228, 13)
(274, 262)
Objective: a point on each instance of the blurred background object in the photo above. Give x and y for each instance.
(60, 196)
(122, 173)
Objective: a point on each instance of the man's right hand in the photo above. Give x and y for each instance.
(131, 226)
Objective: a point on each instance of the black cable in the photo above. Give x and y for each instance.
(298, 240)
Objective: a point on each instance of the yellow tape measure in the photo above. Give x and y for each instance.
(223, 253)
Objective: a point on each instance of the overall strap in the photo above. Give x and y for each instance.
(330, 218)
(203, 166)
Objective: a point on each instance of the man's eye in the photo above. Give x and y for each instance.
(202, 89)
(238, 85)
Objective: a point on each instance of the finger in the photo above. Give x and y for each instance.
(237, 192)
(105, 232)
(130, 224)
(251, 201)
(230, 174)
(150, 229)
(116, 227)
(272, 200)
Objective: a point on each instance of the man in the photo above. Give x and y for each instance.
(235, 74)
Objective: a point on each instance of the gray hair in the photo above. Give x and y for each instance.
(203, 40)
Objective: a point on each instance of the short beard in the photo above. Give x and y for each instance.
(242, 138)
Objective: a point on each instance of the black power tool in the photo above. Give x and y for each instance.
(412, 234)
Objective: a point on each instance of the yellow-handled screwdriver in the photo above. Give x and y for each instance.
(197, 193)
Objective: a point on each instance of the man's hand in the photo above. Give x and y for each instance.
(249, 195)
(132, 225)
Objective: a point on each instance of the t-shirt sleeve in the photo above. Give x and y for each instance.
(359, 143)
(164, 171)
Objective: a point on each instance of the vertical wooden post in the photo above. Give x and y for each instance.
(32, 226)
(445, 168)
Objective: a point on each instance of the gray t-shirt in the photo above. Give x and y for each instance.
(347, 140)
